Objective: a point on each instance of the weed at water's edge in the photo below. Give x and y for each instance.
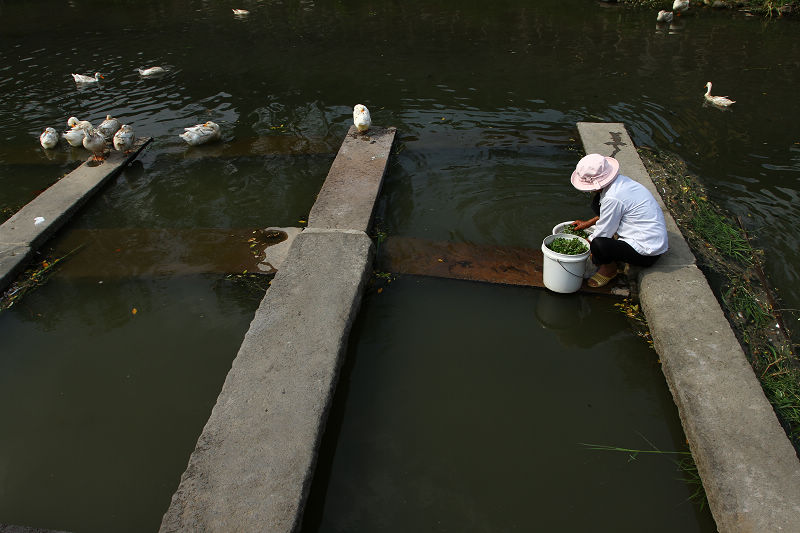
(685, 465)
(33, 277)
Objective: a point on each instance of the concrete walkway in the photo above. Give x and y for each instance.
(749, 468)
(252, 467)
(29, 227)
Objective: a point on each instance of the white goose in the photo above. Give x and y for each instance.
(722, 101)
(664, 16)
(94, 141)
(123, 139)
(81, 79)
(201, 133)
(679, 6)
(49, 138)
(151, 72)
(361, 118)
(109, 127)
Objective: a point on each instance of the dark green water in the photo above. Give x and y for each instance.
(462, 406)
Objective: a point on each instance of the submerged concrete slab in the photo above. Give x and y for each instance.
(45, 214)
(749, 468)
(506, 265)
(348, 196)
(253, 464)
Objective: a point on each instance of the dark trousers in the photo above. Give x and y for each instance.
(606, 250)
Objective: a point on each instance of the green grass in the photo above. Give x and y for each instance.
(684, 464)
(740, 299)
(721, 233)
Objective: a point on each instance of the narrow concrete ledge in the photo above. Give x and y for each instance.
(252, 467)
(253, 464)
(749, 468)
(44, 215)
(354, 181)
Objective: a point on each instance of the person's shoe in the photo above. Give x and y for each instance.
(598, 280)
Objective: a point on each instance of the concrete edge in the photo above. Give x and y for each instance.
(749, 469)
(40, 218)
(254, 462)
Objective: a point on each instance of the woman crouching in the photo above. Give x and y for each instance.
(629, 225)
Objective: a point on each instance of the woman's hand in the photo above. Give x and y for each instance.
(583, 224)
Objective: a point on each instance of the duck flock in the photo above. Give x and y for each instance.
(122, 137)
(111, 130)
(665, 17)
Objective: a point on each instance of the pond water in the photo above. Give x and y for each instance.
(462, 406)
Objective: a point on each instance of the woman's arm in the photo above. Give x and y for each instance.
(583, 224)
(610, 216)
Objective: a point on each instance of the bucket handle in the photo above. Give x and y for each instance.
(567, 271)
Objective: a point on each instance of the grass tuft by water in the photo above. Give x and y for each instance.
(34, 276)
(683, 460)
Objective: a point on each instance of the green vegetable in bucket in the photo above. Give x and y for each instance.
(572, 231)
(564, 246)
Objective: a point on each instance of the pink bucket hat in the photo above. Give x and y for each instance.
(594, 172)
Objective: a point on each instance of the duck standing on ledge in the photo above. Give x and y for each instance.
(361, 118)
(123, 139)
(722, 101)
(49, 138)
(109, 127)
(664, 16)
(94, 141)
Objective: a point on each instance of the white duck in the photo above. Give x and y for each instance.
(361, 118)
(679, 6)
(74, 136)
(722, 101)
(151, 72)
(664, 16)
(123, 139)
(49, 138)
(109, 127)
(81, 79)
(241, 12)
(73, 122)
(201, 133)
(94, 141)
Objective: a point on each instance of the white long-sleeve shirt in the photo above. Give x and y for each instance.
(628, 209)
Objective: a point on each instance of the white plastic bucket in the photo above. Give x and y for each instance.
(561, 272)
